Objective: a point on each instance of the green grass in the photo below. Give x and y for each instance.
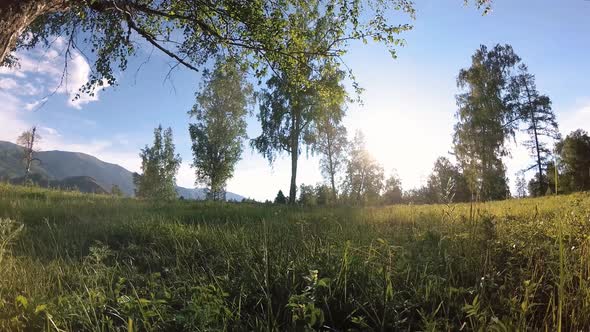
(79, 262)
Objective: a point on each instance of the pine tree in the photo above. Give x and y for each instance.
(280, 199)
(534, 110)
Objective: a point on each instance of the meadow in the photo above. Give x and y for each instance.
(79, 262)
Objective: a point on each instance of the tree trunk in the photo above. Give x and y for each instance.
(293, 186)
(17, 15)
(295, 130)
(331, 167)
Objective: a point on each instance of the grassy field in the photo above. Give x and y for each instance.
(79, 262)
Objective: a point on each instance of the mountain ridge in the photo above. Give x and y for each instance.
(57, 165)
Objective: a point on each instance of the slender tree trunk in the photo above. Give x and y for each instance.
(293, 186)
(294, 158)
(17, 15)
(29, 154)
(331, 167)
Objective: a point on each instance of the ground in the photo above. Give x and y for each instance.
(80, 262)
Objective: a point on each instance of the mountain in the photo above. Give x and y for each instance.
(200, 193)
(64, 165)
(83, 184)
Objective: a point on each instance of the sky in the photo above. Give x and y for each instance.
(408, 106)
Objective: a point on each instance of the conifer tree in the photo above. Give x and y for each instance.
(534, 110)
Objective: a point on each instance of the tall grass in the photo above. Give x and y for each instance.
(79, 262)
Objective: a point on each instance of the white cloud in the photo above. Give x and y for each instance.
(33, 105)
(8, 84)
(42, 72)
(577, 118)
(186, 175)
(12, 120)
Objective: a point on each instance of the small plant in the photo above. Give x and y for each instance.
(304, 307)
(9, 230)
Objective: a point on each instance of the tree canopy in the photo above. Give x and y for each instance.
(574, 153)
(485, 120)
(363, 179)
(534, 111)
(220, 126)
(159, 165)
(266, 33)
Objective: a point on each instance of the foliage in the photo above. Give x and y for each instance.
(324, 195)
(220, 126)
(535, 112)
(521, 185)
(90, 262)
(116, 191)
(392, 191)
(190, 33)
(291, 112)
(574, 154)
(332, 143)
(447, 184)
(159, 165)
(534, 185)
(485, 120)
(307, 195)
(421, 195)
(363, 179)
(280, 199)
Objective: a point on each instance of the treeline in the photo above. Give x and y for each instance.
(447, 183)
(497, 98)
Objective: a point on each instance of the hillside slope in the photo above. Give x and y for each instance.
(59, 165)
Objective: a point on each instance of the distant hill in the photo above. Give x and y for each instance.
(79, 170)
(83, 184)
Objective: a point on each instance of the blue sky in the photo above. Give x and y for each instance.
(408, 110)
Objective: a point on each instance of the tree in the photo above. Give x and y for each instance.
(446, 183)
(418, 196)
(535, 184)
(485, 120)
(29, 140)
(535, 111)
(191, 32)
(332, 144)
(324, 195)
(364, 176)
(307, 195)
(521, 185)
(392, 192)
(116, 191)
(280, 199)
(220, 125)
(290, 111)
(159, 165)
(574, 154)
